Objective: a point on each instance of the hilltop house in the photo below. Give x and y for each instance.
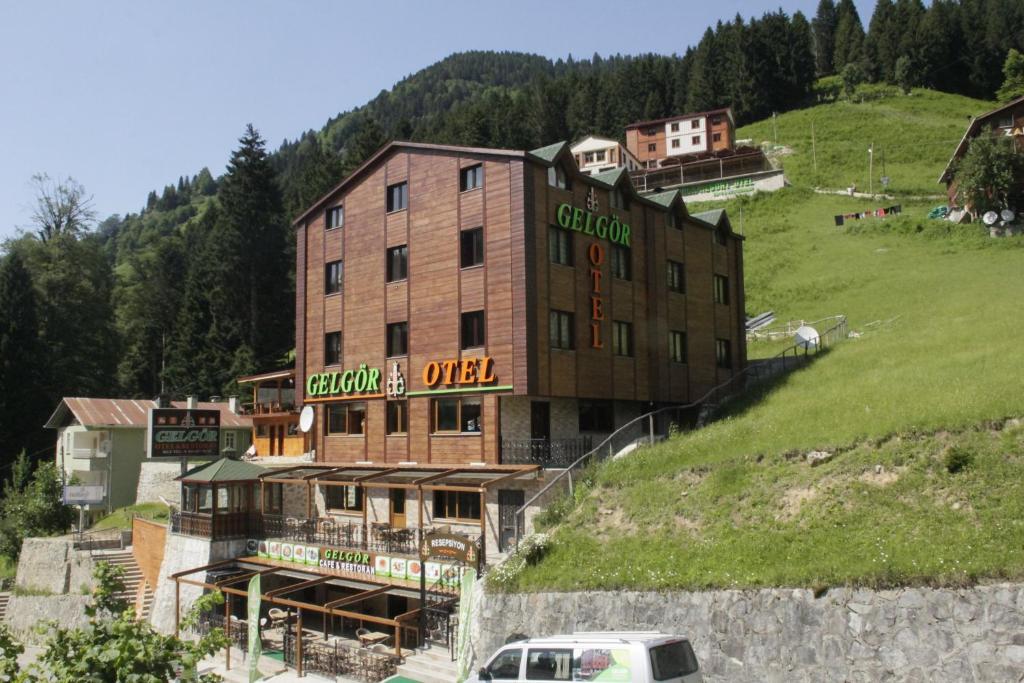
(655, 142)
(595, 155)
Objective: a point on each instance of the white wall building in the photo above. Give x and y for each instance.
(596, 155)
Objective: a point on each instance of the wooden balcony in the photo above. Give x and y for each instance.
(223, 525)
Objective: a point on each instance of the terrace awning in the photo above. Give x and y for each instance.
(470, 478)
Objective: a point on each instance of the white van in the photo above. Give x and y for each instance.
(620, 657)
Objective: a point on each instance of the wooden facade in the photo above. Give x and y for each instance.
(516, 286)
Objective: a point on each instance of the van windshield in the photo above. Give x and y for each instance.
(673, 660)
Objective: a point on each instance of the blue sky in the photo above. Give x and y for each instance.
(127, 96)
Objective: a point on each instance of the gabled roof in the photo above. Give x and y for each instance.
(610, 178)
(384, 151)
(692, 115)
(549, 153)
(223, 471)
(665, 198)
(971, 132)
(130, 413)
(716, 219)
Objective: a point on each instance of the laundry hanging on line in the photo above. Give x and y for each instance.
(873, 213)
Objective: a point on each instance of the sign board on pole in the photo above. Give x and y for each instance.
(184, 433)
(83, 495)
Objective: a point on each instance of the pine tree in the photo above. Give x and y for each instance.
(22, 362)
(824, 33)
(849, 45)
(881, 45)
(370, 138)
(1013, 75)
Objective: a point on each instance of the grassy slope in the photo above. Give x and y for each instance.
(915, 133)
(725, 506)
(122, 517)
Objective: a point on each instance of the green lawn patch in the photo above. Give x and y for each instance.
(122, 517)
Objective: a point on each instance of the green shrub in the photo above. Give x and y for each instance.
(957, 460)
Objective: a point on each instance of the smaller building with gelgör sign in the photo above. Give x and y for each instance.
(184, 433)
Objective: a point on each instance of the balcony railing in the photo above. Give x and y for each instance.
(544, 452)
(223, 525)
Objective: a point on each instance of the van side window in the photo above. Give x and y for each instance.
(673, 660)
(549, 665)
(505, 666)
(603, 663)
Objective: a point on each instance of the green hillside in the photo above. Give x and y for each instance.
(913, 134)
(931, 379)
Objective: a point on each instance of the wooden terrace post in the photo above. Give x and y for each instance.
(366, 524)
(227, 631)
(398, 635)
(309, 500)
(483, 523)
(298, 644)
(177, 607)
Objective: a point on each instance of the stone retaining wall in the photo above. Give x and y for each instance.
(156, 480)
(913, 634)
(52, 565)
(26, 612)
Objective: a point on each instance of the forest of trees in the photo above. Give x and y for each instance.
(197, 287)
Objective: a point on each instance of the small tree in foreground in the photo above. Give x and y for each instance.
(1013, 74)
(990, 174)
(32, 505)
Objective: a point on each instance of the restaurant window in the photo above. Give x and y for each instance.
(398, 339)
(675, 127)
(471, 178)
(332, 348)
(675, 142)
(456, 415)
(622, 266)
(471, 248)
(346, 418)
(549, 665)
(398, 417)
(652, 147)
(677, 346)
(560, 246)
(558, 178)
(398, 263)
(723, 353)
(346, 498)
(332, 277)
(622, 338)
(676, 278)
(461, 505)
(273, 498)
(695, 140)
(721, 289)
(596, 416)
(335, 217)
(472, 329)
(560, 330)
(398, 197)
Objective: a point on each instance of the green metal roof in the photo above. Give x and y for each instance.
(549, 152)
(223, 470)
(713, 216)
(609, 177)
(665, 198)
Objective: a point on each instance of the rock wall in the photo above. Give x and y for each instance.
(913, 634)
(156, 479)
(52, 565)
(26, 612)
(182, 553)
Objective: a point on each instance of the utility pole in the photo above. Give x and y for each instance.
(775, 128)
(871, 168)
(814, 155)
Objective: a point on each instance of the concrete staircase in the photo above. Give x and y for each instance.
(433, 665)
(132, 577)
(4, 599)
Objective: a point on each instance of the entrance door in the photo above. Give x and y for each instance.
(280, 439)
(540, 420)
(398, 508)
(508, 502)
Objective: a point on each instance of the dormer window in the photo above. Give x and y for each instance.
(670, 219)
(619, 199)
(558, 178)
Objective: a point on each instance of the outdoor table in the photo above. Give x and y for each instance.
(372, 638)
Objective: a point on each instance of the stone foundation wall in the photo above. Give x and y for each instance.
(26, 612)
(156, 479)
(913, 634)
(52, 565)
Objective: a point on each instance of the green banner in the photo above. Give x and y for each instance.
(255, 646)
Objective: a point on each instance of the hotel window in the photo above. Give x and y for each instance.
(345, 498)
(398, 417)
(345, 418)
(675, 127)
(695, 124)
(619, 199)
(596, 416)
(721, 289)
(332, 277)
(398, 263)
(723, 353)
(560, 330)
(675, 143)
(557, 178)
(622, 266)
(229, 440)
(677, 346)
(652, 147)
(273, 498)
(472, 329)
(676, 277)
(335, 217)
(622, 338)
(715, 120)
(588, 157)
(398, 339)
(560, 246)
(461, 505)
(398, 197)
(695, 140)
(471, 248)
(456, 415)
(599, 156)
(471, 178)
(717, 137)
(332, 348)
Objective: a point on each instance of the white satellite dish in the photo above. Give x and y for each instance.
(806, 337)
(306, 419)
(990, 217)
(1007, 215)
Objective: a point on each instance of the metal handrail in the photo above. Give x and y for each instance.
(751, 368)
